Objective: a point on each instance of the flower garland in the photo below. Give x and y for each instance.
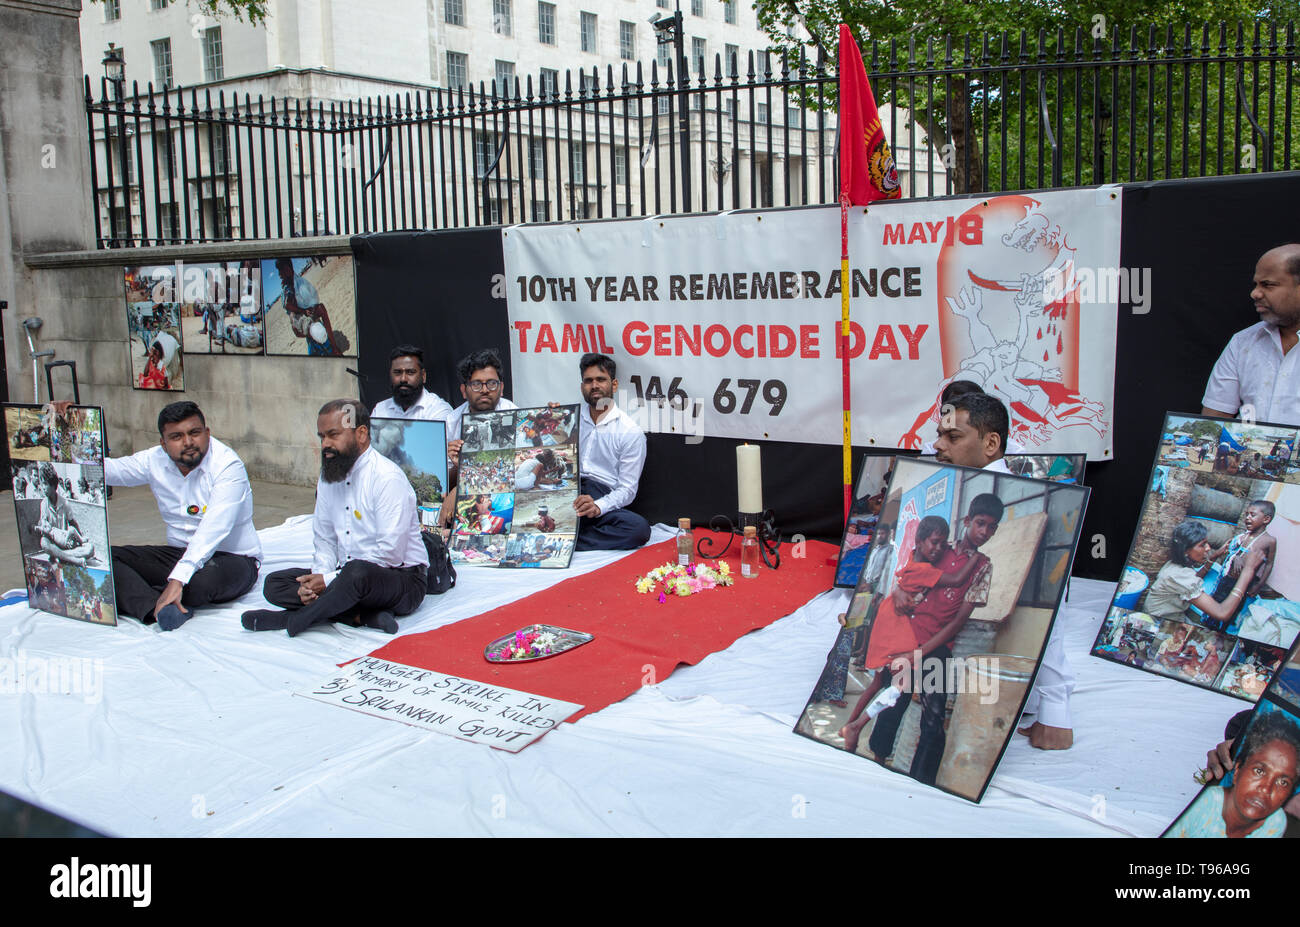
(684, 580)
(526, 646)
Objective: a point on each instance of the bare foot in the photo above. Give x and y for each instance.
(850, 735)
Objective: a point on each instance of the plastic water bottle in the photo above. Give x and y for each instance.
(685, 542)
(749, 553)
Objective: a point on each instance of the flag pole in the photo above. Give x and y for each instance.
(844, 352)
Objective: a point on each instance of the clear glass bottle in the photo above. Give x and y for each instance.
(685, 542)
(749, 553)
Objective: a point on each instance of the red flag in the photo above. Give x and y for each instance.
(867, 171)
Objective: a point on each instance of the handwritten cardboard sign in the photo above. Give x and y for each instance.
(475, 711)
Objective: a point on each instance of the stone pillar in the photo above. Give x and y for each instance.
(44, 165)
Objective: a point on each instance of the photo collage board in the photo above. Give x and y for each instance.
(986, 553)
(420, 449)
(517, 488)
(57, 467)
(869, 497)
(289, 306)
(1250, 800)
(1210, 592)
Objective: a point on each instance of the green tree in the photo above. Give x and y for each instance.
(974, 58)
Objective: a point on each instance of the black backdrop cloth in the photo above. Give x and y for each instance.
(1200, 238)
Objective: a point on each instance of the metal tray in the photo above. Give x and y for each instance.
(565, 640)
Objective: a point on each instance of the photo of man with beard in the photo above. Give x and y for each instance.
(369, 565)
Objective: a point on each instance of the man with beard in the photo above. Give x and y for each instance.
(612, 453)
(370, 564)
(410, 400)
(203, 494)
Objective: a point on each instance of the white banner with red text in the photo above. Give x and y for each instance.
(727, 325)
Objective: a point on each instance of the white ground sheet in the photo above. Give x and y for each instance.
(197, 733)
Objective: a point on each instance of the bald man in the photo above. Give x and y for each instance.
(1256, 377)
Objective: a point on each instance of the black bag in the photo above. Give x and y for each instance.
(442, 575)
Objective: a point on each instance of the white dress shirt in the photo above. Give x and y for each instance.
(611, 451)
(1253, 371)
(453, 420)
(208, 510)
(430, 407)
(368, 515)
(1050, 699)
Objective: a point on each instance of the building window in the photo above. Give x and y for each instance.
(541, 211)
(537, 157)
(505, 78)
(214, 67)
(112, 10)
(729, 11)
(502, 21)
(662, 4)
(627, 41)
(485, 151)
(219, 162)
(494, 211)
(699, 51)
(764, 65)
(453, 12)
(664, 55)
(760, 115)
(546, 22)
(578, 165)
(549, 84)
(169, 226)
(457, 70)
(793, 117)
(115, 156)
(620, 166)
(162, 63)
(697, 7)
(164, 155)
(159, 4)
(589, 32)
(665, 104)
(733, 61)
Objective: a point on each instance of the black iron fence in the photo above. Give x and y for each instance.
(182, 166)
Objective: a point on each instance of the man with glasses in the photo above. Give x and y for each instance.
(481, 384)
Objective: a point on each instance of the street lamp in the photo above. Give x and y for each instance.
(115, 72)
(669, 31)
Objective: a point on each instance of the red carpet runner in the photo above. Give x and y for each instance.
(638, 640)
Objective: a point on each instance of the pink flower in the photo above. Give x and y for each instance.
(662, 598)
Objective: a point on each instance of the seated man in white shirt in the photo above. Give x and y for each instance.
(1256, 376)
(203, 494)
(481, 385)
(611, 455)
(410, 399)
(370, 565)
(973, 433)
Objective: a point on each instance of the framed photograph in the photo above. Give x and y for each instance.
(1249, 801)
(155, 344)
(222, 311)
(1210, 592)
(518, 482)
(420, 449)
(310, 306)
(868, 495)
(948, 622)
(57, 468)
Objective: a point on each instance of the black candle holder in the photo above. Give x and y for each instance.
(769, 538)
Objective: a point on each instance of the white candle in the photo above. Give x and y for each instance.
(749, 477)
